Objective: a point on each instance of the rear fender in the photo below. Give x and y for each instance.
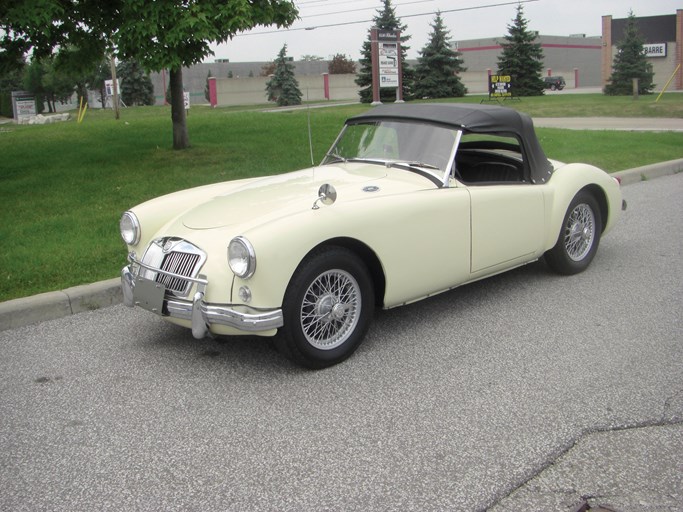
(567, 181)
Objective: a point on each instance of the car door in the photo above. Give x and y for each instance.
(507, 226)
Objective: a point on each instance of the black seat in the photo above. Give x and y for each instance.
(490, 172)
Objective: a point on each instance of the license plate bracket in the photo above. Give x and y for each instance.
(149, 295)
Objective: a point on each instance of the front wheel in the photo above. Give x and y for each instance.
(328, 308)
(578, 241)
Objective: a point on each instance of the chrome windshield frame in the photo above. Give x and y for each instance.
(441, 177)
(450, 168)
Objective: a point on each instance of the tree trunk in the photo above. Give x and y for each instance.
(181, 139)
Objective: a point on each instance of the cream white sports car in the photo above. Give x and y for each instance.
(410, 201)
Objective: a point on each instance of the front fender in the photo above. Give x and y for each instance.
(420, 239)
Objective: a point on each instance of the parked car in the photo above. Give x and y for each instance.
(554, 83)
(410, 201)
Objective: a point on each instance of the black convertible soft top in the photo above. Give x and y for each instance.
(486, 119)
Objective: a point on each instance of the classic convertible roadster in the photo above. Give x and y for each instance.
(410, 201)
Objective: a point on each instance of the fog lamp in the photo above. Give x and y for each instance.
(245, 294)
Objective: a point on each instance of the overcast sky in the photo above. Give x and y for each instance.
(314, 33)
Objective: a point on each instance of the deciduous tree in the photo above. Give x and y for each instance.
(267, 69)
(341, 65)
(159, 35)
(47, 83)
(94, 81)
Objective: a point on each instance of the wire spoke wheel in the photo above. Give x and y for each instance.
(579, 232)
(327, 308)
(330, 309)
(579, 236)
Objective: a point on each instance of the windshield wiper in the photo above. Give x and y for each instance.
(415, 163)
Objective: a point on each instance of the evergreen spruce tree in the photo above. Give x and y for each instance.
(283, 87)
(386, 19)
(629, 63)
(136, 86)
(436, 74)
(522, 58)
(207, 91)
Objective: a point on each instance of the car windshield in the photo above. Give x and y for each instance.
(396, 142)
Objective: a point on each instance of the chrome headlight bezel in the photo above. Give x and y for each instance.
(129, 228)
(241, 257)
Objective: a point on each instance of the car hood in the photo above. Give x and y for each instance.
(286, 194)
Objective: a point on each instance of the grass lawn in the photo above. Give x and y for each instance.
(64, 186)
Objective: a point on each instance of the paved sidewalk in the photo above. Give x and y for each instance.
(631, 124)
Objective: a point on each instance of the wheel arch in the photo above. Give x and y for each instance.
(599, 194)
(367, 255)
(567, 182)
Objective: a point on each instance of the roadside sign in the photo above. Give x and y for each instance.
(109, 87)
(500, 86)
(386, 62)
(25, 108)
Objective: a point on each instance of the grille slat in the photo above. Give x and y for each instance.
(183, 259)
(178, 263)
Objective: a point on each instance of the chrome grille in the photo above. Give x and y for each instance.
(173, 256)
(180, 263)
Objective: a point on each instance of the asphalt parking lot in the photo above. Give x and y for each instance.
(527, 391)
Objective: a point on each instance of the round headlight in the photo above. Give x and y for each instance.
(241, 257)
(130, 228)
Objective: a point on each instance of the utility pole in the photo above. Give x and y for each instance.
(115, 87)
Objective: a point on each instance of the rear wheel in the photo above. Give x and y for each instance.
(328, 308)
(580, 236)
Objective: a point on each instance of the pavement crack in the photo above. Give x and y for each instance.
(673, 407)
(561, 452)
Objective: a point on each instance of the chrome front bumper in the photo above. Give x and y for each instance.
(151, 296)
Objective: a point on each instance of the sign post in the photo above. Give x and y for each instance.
(386, 63)
(115, 88)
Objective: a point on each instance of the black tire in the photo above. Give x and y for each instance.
(553, 87)
(328, 307)
(579, 238)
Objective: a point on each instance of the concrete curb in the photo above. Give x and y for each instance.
(52, 305)
(648, 172)
(88, 297)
